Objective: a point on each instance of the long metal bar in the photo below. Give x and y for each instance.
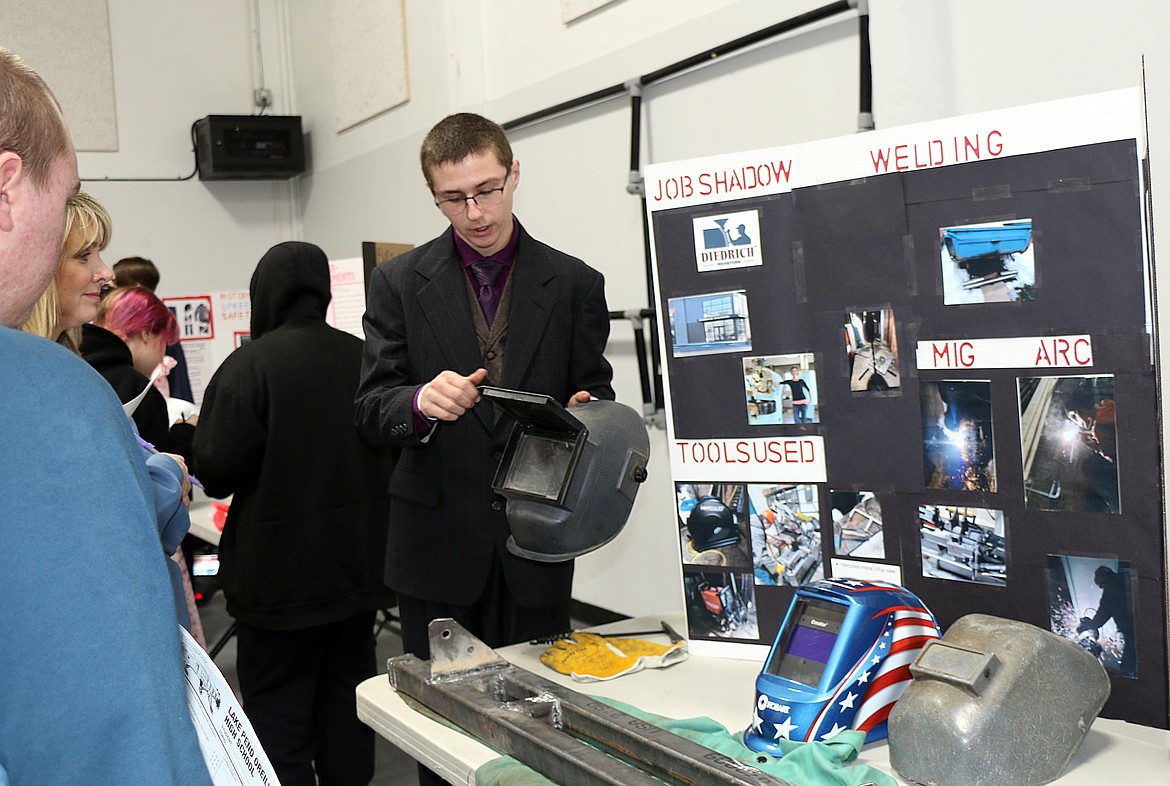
(786, 26)
(652, 300)
(704, 57)
(566, 106)
(668, 756)
(644, 371)
(511, 727)
(548, 726)
(865, 74)
(649, 369)
(637, 319)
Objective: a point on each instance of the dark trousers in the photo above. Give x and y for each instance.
(495, 619)
(298, 692)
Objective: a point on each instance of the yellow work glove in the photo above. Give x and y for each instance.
(588, 657)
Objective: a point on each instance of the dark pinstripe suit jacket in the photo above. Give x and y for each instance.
(445, 520)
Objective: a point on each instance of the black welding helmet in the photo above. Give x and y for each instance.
(569, 477)
(712, 524)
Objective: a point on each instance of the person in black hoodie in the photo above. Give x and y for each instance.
(302, 552)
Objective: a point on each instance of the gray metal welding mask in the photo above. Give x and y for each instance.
(569, 476)
(995, 701)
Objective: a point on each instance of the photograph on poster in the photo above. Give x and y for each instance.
(1068, 439)
(786, 534)
(193, 315)
(988, 263)
(727, 240)
(1090, 602)
(713, 524)
(963, 544)
(707, 324)
(957, 445)
(781, 389)
(857, 524)
(721, 605)
(872, 345)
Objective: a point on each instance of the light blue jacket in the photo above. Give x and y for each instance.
(173, 520)
(91, 675)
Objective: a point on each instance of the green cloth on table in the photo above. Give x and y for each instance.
(804, 763)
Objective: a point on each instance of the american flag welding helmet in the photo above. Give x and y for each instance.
(840, 661)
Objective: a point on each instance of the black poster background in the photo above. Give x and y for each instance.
(874, 243)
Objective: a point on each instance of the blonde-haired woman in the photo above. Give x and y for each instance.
(72, 300)
(75, 291)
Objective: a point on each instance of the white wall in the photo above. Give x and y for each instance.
(177, 62)
(173, 64)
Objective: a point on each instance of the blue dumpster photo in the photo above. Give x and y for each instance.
(973, 242)
(987, 263)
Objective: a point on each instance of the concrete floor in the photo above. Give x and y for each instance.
(392, 767)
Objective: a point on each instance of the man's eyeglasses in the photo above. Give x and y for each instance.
(485, 200)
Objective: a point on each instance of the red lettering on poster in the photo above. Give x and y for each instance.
(1078, 345)
(1060, 352)
(723, 451)
(927, 153)
(726, 181)
(963, 352)
(675, 188)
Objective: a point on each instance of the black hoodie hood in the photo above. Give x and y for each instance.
(290, 285)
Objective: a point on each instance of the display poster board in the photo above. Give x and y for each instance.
(211, 327)
(923, 355)
(347, 282)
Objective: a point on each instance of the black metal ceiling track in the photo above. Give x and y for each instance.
(710, 55)
(634, 89)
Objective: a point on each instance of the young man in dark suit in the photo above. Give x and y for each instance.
(438, 325)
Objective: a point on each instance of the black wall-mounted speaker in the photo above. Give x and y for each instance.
(249, 147)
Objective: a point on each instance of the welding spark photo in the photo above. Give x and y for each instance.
(1090, 602)
(957, 440)
(1068, 441)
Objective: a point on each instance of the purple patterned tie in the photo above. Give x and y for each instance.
(487, 272)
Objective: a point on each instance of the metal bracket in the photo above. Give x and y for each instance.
(548, 726)
(454, 651)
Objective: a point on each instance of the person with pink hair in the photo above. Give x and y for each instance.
(125, 344)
